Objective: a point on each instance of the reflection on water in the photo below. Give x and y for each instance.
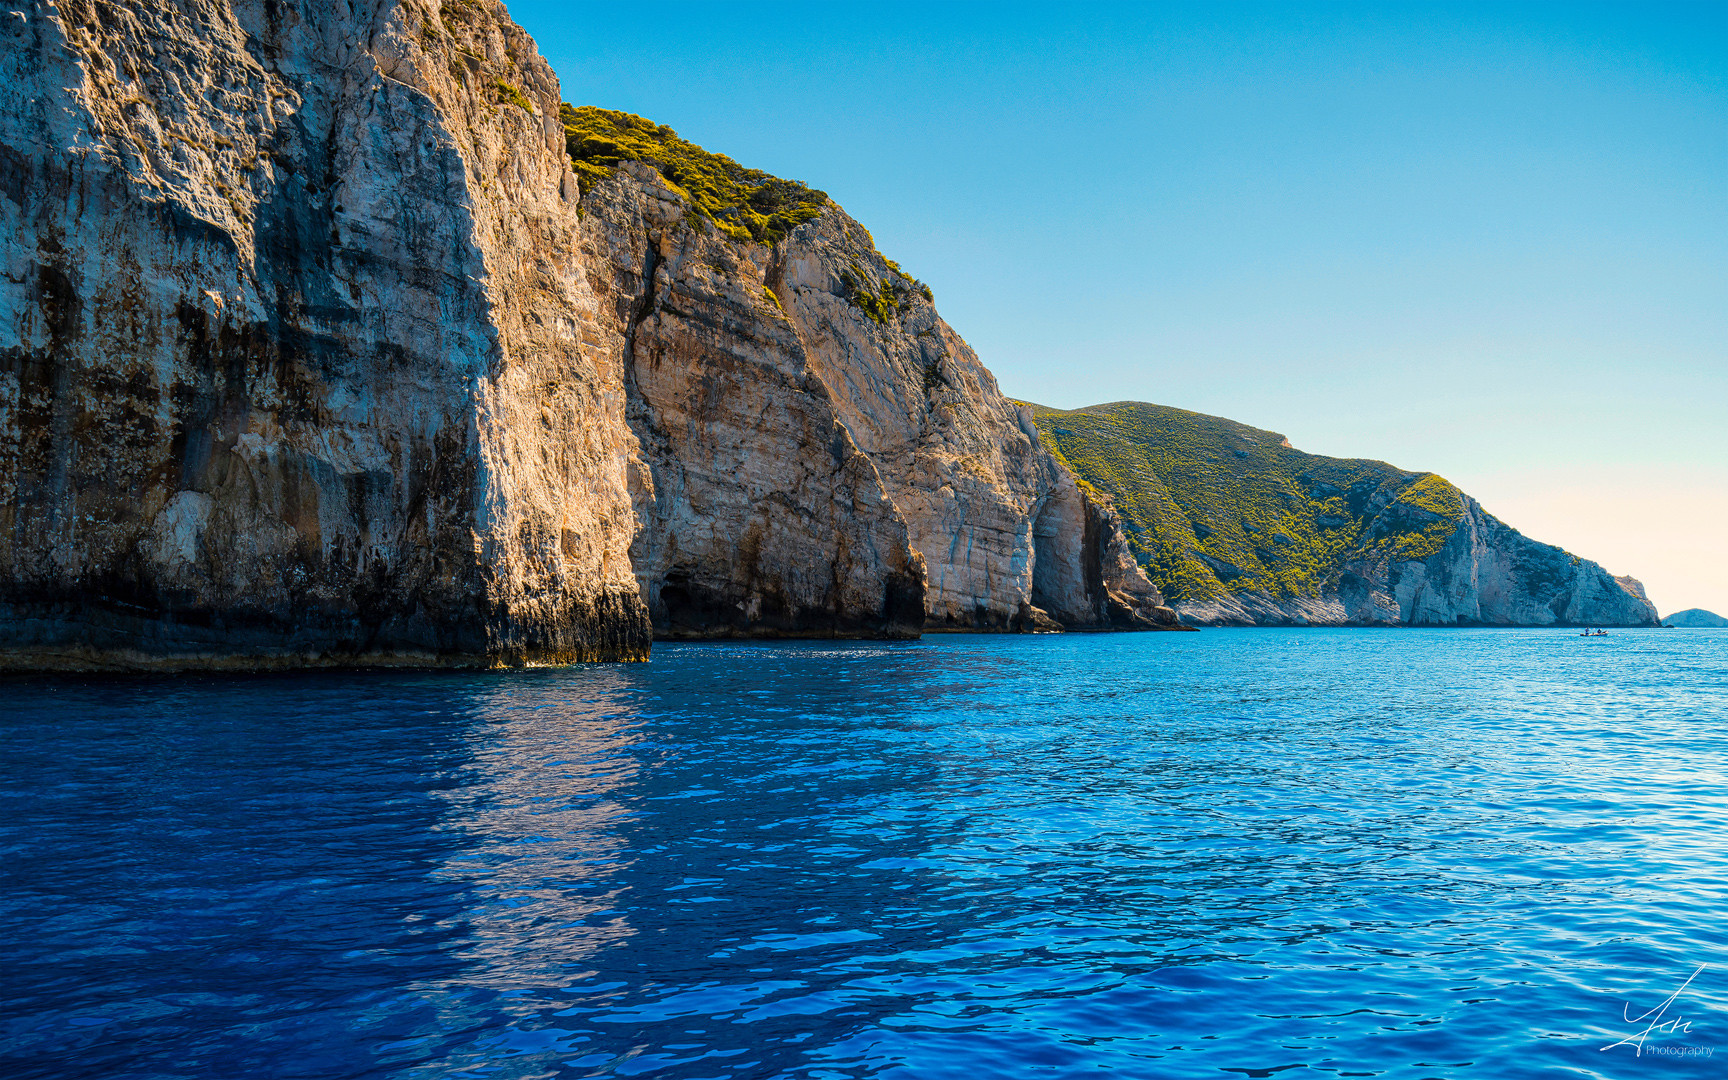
(1227, 854)
(538, 817)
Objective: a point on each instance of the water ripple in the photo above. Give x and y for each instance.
(1245, 853)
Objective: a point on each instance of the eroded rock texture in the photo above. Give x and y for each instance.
(292, 344)
(313, 350)
(823, 453)
(1009, 540)
(759, 516)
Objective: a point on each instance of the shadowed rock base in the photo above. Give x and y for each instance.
(78, 637)
(688, 612)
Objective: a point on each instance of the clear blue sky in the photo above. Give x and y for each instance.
(1486, 240)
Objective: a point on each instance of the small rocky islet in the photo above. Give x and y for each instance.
(332, 336)
(1696, 619)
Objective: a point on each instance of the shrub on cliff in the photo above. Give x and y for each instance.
(745, 204)
(510, 95)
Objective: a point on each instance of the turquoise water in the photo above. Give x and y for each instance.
(1229, 854)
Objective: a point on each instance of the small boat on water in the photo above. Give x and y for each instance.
(1594, 633)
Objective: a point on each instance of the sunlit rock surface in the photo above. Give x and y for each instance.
(758, 514)
(812, 468)
(292, 360)
(314, 350)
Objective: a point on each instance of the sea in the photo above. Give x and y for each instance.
(1238, 853)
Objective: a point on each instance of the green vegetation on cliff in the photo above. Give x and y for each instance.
(881, 302)
(745, 204)
(1211, 506)
(510, 95)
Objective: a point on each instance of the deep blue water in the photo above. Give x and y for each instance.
(1229, 854)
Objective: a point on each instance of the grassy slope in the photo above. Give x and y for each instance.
(746, 204)
(1212, 506)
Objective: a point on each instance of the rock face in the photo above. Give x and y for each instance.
(1009, 540)
(759, 515)
(1238, 527)
(327, 336)
(314, 350)
(295, 355)
(824, 455)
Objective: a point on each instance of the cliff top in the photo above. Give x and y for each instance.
(745, 204)
(1214, 506)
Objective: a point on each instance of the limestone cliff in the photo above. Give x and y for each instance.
(823, 453)
(327, 336)
(1238, 527)
(1009, 540)
(297, 363)
(758, 514)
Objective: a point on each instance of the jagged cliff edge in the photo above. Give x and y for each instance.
(314, 350)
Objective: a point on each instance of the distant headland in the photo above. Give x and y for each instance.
(1236, 526)
(1696, 618)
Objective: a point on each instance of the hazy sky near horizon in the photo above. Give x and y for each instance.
(1487, 240)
